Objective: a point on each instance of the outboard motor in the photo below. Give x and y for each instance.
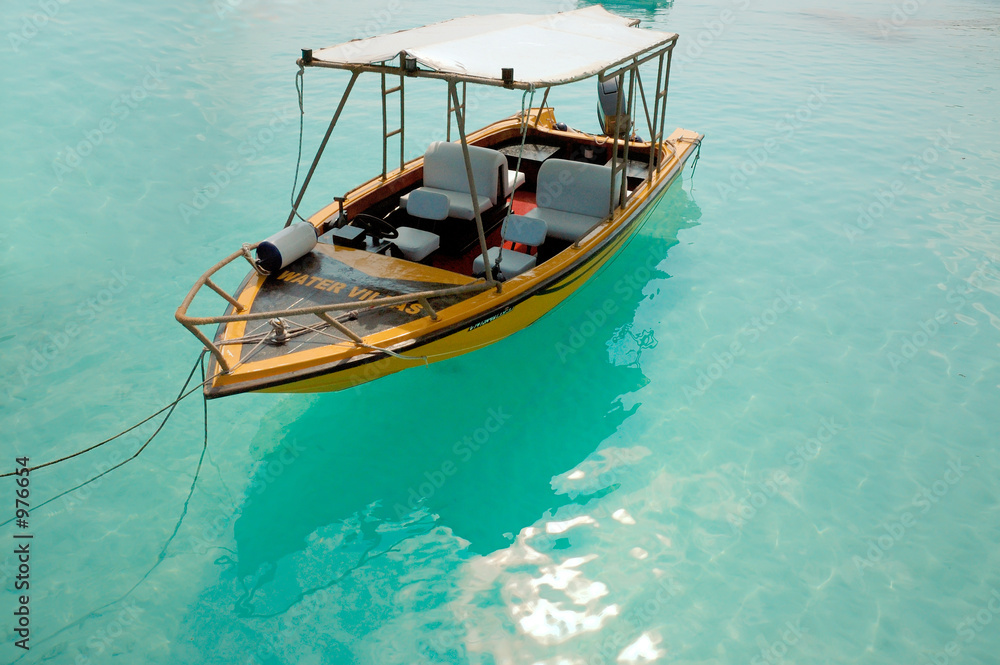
(287, 245)
(607, 105)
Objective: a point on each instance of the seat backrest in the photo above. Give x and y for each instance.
(444, 168)
(427, 205)
(575, 187)
(524, 230)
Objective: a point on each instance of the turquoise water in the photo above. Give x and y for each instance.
(765, 433)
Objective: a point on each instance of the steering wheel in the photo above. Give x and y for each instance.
(376, 227)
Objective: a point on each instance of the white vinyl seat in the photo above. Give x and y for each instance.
(516, 229)
(414, 244)
(565, 225)
(459, 203)
(514, 180)
(572, 197)
(445, 174)
(427, 204)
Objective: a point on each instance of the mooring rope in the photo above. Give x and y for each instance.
(161, 557)
(169, 407)
(370, 347)
(697, 153)
(300, 90)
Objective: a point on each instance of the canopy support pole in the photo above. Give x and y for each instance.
(656, 138)
(322, 147)
(451, 108)
(401, 130)
(645, 104)
(616, 132)
(460, 121)
(663, 109)
(629, 112)
(541, 106)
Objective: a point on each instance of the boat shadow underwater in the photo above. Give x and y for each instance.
(457, 444)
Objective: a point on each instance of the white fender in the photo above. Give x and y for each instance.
(287, 245)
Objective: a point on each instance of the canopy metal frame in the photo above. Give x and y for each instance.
(452, 109)
(399, 131)
(403, 67)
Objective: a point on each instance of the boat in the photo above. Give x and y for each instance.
(480, 237)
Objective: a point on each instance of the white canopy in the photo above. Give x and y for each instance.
(542, 49)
